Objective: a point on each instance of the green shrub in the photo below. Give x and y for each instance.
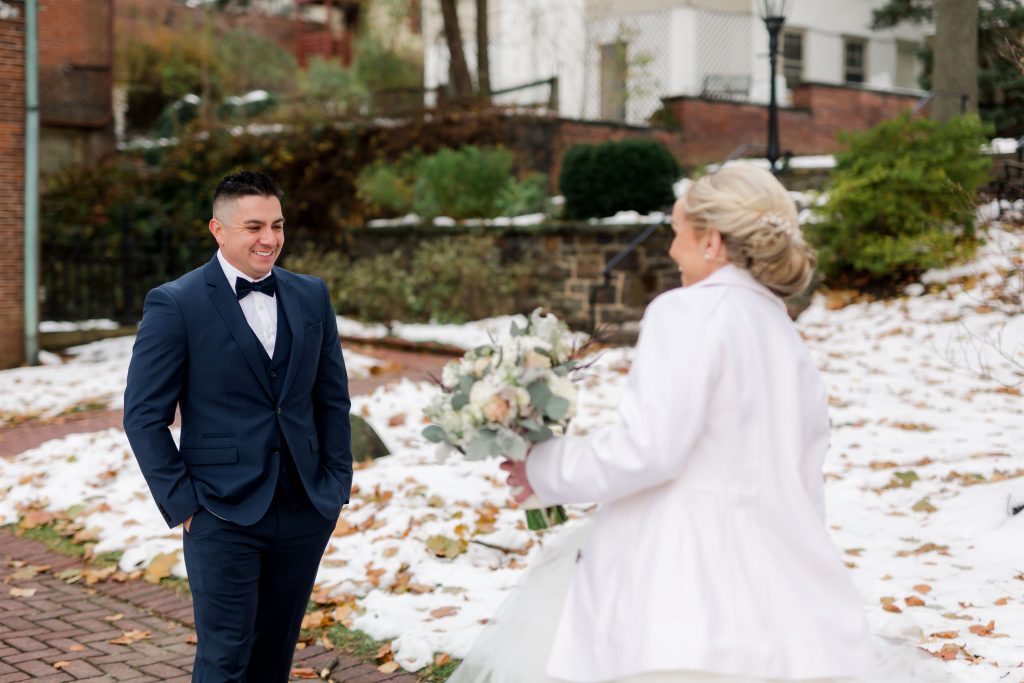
(528, 195)
(600, 180)
(447, 279)
(461, 278)
(901, 200)
(387, 186)
(462, 183)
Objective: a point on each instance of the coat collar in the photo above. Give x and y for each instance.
(731, 275)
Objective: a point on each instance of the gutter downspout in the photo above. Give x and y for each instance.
(31, 184)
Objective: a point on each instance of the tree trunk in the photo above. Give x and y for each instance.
(457, 68)
(483, 58)
(955, 73)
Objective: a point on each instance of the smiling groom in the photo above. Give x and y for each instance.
(250, 355)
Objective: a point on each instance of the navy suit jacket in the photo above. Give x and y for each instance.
(195, 351)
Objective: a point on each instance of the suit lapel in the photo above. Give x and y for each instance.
(292, 312)
(226, 303)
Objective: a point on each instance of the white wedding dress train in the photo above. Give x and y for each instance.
(514, 645)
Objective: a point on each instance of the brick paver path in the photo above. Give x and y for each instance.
(68, 623)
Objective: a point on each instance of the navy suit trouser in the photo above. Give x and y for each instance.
(250, 587)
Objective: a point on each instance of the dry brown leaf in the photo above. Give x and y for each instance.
(76, 648)
(986, 631)
(923, 588)
(160, 567)
(114, 617)
(442, 612)
(1003, 600)
(948, 652)
(192, 639)
(388, 667)
(946, 635)
(130, 637)
(29, 572)
(304, 672)
(441, 659)
(61, 664)
(913, 601)
(396, 420)
(390, 552)
(22, 592)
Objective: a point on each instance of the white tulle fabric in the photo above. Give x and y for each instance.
(515, 645)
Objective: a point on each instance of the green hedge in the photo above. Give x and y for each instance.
(901, 201)
(600, 180)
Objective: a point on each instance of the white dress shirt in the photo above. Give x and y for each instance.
(710, 551)
(260, 309)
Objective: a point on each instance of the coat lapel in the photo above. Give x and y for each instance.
(226, 303)
(290, 305)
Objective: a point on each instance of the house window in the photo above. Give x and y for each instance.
(793, 57)
(854, 58)
(613, 81)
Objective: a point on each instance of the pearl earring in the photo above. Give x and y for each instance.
(707, 255)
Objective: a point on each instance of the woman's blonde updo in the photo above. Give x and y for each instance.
(758, 222)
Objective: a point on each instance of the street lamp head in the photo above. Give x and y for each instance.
(773, 9)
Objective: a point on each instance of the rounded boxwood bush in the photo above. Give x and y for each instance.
(628, 175)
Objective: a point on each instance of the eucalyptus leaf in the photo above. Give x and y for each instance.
(460, 401)
(517, 331)
(538, 435)
(483, 445)
(556, 408)
(466, 383)
(539, 395)
(434, 433)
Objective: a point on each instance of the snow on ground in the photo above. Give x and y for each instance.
(467, 336)
(926, 458)
(93, 376)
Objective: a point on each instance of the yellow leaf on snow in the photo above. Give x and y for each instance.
(442, 612)
(913, 601)
(160, 567)
(945, 635)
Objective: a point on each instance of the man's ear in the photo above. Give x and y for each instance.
(217, 230)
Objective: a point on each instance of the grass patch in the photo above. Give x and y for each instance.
(64, 545)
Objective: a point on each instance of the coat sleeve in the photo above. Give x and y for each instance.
(659, 421)
(331, 403)
(156, 376)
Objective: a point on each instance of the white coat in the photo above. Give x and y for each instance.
(710, 550)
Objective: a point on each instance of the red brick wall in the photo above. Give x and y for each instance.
(711, 130)
(12, 179)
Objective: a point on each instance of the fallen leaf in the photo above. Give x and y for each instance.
(923, 588)
(449, 548)
(61, 664)
(986, 631)
(913, 601)
(304, 672)
(948, 652)
(888, 604)
(924, 505)
(28, 573)
(114, 617)
(1003, 600)
(22, 592)
(130, 637)
(396, 420)
(388, 667)
(160, 567)
(192, 639)
(441, 659)
(390, 552)
(76, 648)
(442, 612)
(946, 635)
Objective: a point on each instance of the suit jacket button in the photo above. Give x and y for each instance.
(273, 373)
(279, 410)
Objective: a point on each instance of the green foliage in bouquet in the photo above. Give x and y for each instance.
(629, 175)
(901, 201)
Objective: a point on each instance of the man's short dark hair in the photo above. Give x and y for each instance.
(246, 184)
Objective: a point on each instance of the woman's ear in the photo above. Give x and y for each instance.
(715, 245)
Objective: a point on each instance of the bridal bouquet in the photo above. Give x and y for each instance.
(499, 399)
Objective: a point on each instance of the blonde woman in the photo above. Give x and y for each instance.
(709, 558)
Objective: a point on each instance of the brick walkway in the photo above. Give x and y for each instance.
(72, 624)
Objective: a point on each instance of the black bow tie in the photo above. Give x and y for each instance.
(243, 286)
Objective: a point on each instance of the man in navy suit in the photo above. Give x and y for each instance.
(250, 355)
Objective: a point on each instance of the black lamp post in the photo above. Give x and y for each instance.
(773, 13)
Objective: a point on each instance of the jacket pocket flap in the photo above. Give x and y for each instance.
(313, 329)
(210, 456)
(314, 443)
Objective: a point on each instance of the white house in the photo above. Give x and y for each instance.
(616, 59)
